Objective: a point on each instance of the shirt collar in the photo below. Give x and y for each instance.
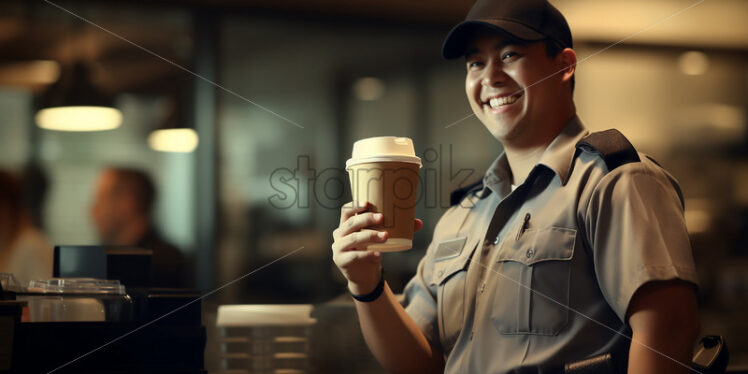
(558, 157)
(560, 153)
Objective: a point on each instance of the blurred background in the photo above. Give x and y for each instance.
(273, 94)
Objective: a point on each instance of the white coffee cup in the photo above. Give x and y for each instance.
(384, 171)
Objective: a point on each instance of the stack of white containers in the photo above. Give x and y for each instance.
(265, 339)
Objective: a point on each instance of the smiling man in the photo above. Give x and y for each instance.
(573, 245)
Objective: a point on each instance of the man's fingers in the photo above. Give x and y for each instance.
(351, 209)
(358, 241)
(346, 258)
(359, 222)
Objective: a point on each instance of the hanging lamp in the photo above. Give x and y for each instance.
(174, 135)
(74, 103)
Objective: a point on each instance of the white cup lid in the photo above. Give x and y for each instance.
(383, 149)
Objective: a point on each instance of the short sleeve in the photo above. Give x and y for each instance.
(636, 228)
(419, 295)
(420, 301)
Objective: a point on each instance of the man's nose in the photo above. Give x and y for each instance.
(493, 75)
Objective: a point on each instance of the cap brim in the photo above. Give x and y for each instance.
(456, 42)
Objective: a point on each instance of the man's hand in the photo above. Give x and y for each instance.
(362, 268)
(664, 319)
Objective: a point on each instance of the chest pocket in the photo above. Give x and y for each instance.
(531, 294)
(451, 260)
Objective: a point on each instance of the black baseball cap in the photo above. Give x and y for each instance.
(529, 20)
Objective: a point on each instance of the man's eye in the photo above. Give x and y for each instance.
(508, 55)
(474, 64)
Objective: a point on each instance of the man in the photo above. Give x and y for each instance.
(122, 215)
(573, 246)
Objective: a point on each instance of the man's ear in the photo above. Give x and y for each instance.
(568, 63)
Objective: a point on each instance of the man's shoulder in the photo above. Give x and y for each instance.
(611, 146)
(612, 151)
(154, 241)
(615, 161)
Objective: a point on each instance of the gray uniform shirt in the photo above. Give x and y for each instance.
(544, 274)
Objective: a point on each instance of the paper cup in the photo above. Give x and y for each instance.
(384, 172)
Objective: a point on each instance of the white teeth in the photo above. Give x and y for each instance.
(504, 100)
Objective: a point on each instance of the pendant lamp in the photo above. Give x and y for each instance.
(174, 135)
(73, 103)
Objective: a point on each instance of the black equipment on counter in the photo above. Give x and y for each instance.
(10, 319)
(109, 348)
(165, 336)
(163, 333)
(130, 265)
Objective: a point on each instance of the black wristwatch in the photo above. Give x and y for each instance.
(373, 295)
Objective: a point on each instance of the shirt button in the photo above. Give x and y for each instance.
(482, 287)
(471, 334)
(440, 273)
(529, 253)
(496, 241)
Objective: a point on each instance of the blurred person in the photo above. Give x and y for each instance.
(35, 184)
(24, 249)
(573, 245)
(122, 215)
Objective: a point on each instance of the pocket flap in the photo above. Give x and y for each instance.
(450, 257)
(536, 245)
(449, 248)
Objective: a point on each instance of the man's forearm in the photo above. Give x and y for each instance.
(394, 338)
(667, 353)
(665, 323)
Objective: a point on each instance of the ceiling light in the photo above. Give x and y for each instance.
(173, 140)
(79, 118)
(45, 71)
(693, 63)
(698, 215)
(173, 135)
(73, 103)
(368, 89)
(37, 72)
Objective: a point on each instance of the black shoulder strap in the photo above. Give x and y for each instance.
(615, 149)
(457, 195)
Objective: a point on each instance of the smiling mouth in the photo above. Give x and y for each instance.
(498, 102)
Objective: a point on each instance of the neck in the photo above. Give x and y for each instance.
(521, 161)
(522, 157)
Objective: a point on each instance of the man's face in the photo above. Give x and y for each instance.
(511, 88)
(105, 211)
